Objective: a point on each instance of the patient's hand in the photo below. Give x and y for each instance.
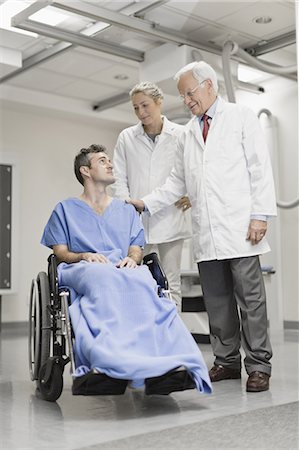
(94, 257)
(127, 262)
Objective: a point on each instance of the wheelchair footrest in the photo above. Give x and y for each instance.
(98, 384)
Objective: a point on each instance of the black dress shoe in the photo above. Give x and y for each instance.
(172, 381)
(218, 373)
(257, 382)
(98, 384)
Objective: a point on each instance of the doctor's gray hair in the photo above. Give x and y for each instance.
(83, 159)
(147, 88)
(201, 72)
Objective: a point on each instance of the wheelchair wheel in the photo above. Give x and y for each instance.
(51, 389)
(39, 324)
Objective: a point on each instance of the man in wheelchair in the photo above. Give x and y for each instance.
(125, 334)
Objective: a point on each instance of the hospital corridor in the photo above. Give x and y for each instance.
(149, 225)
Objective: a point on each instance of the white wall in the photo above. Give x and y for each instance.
(281, 98)
(45, 145)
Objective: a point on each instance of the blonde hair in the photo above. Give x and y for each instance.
(148, 88)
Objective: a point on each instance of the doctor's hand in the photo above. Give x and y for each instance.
(256, 231)
(183, 203)
(138, 204)
(94, 257)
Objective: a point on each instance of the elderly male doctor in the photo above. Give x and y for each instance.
(224, 166)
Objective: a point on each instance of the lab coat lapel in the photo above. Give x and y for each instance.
(168, 129)
(196, 131)
(139, 135)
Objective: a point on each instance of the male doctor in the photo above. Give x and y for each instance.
(224, 166)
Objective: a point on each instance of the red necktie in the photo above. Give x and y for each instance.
(206, 127)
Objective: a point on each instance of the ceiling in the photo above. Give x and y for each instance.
(93, 52)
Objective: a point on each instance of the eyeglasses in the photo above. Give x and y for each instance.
(190, 93)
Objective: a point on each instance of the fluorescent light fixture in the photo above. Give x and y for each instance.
(248, 74)
(10, 8)
(49, 16)
(95, 28)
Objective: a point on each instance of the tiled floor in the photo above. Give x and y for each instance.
(27, 422)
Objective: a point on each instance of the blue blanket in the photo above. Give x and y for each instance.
(124, 329)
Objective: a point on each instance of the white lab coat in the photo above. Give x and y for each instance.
(228, 179)
(140, 167)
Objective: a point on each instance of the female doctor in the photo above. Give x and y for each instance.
(143, 158)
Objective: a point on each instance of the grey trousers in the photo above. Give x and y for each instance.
(235, 300)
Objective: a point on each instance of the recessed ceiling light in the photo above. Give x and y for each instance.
(94, 28)
(121, 76)
(262, 20)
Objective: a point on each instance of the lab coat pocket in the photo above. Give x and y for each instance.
(238, 207)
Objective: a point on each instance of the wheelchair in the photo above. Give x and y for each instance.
(51, 338)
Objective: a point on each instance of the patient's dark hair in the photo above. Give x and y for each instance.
(83, 159)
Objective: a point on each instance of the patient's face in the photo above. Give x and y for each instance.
(101, 168)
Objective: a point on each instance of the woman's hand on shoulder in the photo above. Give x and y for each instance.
(138, 204)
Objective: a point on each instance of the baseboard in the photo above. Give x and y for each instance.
(20, 327)
(291, 324)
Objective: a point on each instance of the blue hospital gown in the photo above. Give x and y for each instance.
(122, 327)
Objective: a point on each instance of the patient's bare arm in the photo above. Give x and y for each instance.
(64, 255)
(135, 252)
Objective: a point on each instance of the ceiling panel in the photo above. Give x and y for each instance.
(112, 5)
(217, 35)
(210, 11)
(108, 57)
(81, 73)
(283, 20)
(77, 64)
(87, 90)
(41, 80)
(108, 75)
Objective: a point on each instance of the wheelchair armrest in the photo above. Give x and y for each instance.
(153, 263)
(53, 275)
